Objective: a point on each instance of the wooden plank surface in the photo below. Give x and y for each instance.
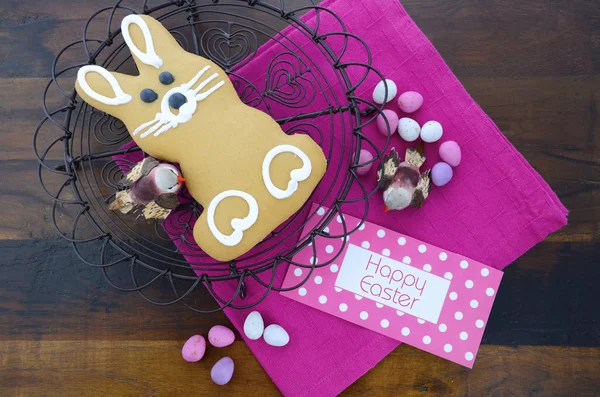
(137, 368)
(533, 66)
(44, 282)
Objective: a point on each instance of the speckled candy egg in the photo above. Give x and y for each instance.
(431, 131)
(254, 326)
(450, 153)
(193, 350)
(275, 335)
(408, 129)
(379, 92)
(222, 372)
(441, 174)
(365, 156)
(392, 119)
(410, 101)
(220, 336)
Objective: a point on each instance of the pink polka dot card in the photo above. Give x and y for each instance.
(398, 286)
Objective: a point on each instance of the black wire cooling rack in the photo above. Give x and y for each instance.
(83, 152)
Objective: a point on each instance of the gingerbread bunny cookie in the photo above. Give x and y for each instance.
(237, 162)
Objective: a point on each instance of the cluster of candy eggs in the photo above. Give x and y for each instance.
(410, 130)
(220, 336)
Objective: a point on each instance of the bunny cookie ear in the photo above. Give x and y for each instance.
(104, 90)
(149, 57)
(120, 96)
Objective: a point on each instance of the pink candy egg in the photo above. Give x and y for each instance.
(410, 101)
(392, 118)
(193, 350)
(220, 336)
(450, 153)
(365, 156)
(441, 173)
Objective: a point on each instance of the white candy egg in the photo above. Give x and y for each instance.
(432, 131)
(408, 129)
(275, 335)
(379, 92)
(254, 326)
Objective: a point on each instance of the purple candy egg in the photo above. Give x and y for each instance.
(450, 153)
(193, 350)
(365, 156)
(222, 371)
(392, 118)
(441, 174)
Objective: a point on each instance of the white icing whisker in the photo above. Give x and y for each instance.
(165, 128)
(149, 123)
(204, 95)
(166, 120)
(153, 128)
(193, 81)
(205, 83)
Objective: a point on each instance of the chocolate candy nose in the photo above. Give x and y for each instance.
(177, 100)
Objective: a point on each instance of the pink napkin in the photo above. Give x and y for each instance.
(494, 210)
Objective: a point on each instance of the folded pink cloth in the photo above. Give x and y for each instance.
(494, 210)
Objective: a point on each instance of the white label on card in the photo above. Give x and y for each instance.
(392, 283)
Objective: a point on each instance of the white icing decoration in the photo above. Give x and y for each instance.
(166, 119)
(120, 96)
(238, 225)
(297, 175)
(149, 57)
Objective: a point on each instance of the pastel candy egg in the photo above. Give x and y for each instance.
(254, 326)
(222, 372)
(431, 131)
(392, 119)
(220, 336)
(193, 350)
(365, 156)
(410, 101)
(408, 129)
(379, 92)
(450, 153)
(275, 335)
(441, 173)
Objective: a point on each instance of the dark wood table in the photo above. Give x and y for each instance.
(534, 66)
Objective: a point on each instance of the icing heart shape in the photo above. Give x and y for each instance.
(239, 225)
(296, 176)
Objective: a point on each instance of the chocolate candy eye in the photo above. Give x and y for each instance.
(147, 95)
(166, 78)
(177, 100)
